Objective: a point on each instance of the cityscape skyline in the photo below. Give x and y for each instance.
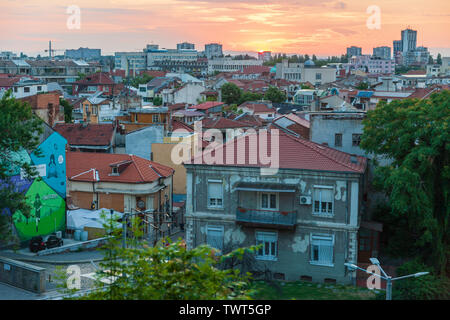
(292, 27)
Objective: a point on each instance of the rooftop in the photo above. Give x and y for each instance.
(293, 153)
(90, 167)
(78, 134)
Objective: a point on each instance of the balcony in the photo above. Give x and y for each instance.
(266, 218)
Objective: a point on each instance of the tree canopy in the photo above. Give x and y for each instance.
(20, 130)
(274, 94)
(167, 271)
(415, 135)
(231, 93)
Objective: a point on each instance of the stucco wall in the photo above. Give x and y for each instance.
(140, 142)
(294, 255)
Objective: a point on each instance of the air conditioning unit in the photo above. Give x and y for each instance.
(305, 199)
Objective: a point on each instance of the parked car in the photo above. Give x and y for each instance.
(52, 241)
(37, 244)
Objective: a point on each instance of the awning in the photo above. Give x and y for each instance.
(265, 187)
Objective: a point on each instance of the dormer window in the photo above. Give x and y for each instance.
(115, 171)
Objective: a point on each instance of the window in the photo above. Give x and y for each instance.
(323, 201)
(356, 139)
(142, 89)
(26, 89)
(318, 76)
(214, 237)
(94, 110)
(268, 240)
(338, 140)
(155, 118)
(269, 201)
(39, 88)
(215, 194)
(86, 106)
(322, 250)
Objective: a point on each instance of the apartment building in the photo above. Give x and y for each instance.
(306, 215)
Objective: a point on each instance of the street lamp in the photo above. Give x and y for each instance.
(389, 279)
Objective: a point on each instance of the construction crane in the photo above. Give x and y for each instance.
(51, 51)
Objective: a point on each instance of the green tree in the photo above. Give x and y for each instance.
(415, 135)
(430, 59)
(136, 81)
(249, 96)
(167, 271)
(157, 101)
(274, 94)
(231, 93)
(20, 130)
(439, 59)
(428, 287)
(67, 110)
(362, 86)
(81, 76)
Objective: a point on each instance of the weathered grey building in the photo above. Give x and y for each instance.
(306, 215)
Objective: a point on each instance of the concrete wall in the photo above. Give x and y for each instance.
(323, 129)
(22, 275)
(140, 142)
(294, 250)
(162, 153)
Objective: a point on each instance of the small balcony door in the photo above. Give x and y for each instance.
(268, 201)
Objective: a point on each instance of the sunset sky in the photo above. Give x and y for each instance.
(323, 27)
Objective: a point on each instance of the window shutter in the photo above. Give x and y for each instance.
(214, 190)
(325, 245)
(214, 237)
(327, 195)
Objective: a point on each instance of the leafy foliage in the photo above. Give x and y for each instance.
(157, 101)
(415, 135)
(167, 271)
(428, 287)
(67, 110)
(362, 86)
(231, 93)
(20, 130)
(249, 96)
(275, 95)
(136, 81)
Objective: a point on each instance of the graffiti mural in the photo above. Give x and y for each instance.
(46, 193)
(52, 162)
(47, 212)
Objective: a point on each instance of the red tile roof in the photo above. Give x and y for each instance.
(82, 165)
(86, 135)
(255, 70)
(154, 73)
(222, 123)
(176, 124)
(96, 78)
(257, 107)
(207, 105)
(251, 120)
(293, 153)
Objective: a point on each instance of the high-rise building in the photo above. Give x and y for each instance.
(213, 50)
(185, 45)
(397, 47)
(382, 52)
(354, 51)
(264, 55)
(84, 54)
(409, 40)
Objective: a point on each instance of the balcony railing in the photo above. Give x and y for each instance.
(266, 217)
